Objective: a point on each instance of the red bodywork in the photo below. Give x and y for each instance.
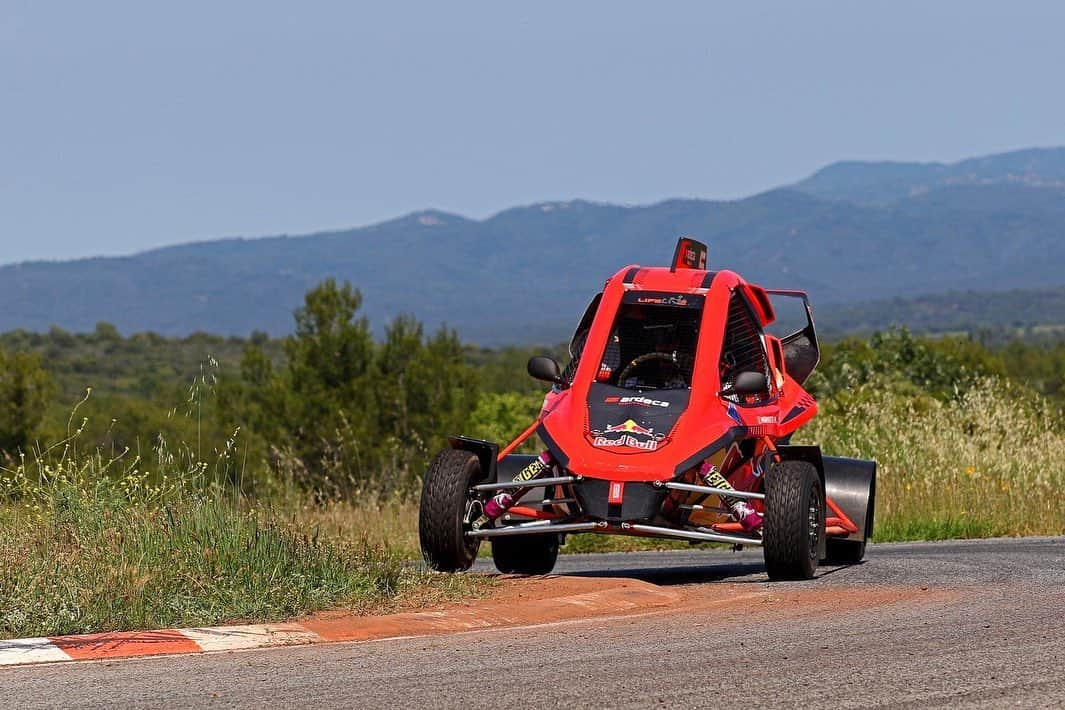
(564, 421)
(710, 426)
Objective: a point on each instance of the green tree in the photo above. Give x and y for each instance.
(330, 416)
(501, 417)
(429, 386)
(345, 411)
(254, 400)
(943, 368)
(25, 390)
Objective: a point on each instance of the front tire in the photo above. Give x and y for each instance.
(794, 525)
(525, 554)
(441, 526)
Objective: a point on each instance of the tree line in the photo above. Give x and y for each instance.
(333, 409)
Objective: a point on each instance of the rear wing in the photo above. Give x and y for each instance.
(801, 349)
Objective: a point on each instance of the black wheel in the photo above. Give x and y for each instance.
(525, 554)
(794, 525)
(445, 497)
(844, 552)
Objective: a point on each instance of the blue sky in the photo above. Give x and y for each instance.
(125, 126)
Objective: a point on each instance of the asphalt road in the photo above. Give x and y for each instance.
(959, 624)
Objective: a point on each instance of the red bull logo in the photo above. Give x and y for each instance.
(632, 436)
(629, 427)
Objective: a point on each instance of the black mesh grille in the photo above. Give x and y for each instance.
(742, 350)
(576, 348)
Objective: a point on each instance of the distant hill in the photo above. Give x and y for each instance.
(525, 274)
(1015, 313)
(885, 182)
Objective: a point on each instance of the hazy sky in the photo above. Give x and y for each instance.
(125, 126)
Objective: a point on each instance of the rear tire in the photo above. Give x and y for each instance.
(445, 493)
(525, 554)
(794, 525)
(844, 552)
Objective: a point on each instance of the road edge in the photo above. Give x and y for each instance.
(611, 597)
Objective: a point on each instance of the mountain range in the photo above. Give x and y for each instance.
(851, 233)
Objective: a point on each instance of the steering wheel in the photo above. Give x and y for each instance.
(642, 360)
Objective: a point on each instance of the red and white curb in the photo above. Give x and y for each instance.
(620, 598)
(127, 644)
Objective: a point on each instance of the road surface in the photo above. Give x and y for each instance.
(953, 624)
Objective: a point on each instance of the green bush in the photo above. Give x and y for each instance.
(25, 389)
(940, 368)
(501, 417)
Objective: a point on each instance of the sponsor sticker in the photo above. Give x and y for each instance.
(663, 300)
(626, 440)
(627, 434)
(629, 427)
(636, 400)
(530, 472)
(734, 414)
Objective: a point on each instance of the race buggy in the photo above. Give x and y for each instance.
(671, 420)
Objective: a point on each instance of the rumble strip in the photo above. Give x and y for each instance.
(581, 599)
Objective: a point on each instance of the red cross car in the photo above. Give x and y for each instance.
(672, 419)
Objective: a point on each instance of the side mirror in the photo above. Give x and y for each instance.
(546, 369)
(747, 383)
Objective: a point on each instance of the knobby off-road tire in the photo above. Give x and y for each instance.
(844, 552)
(525, 554)
(794, 523)
(445, 492)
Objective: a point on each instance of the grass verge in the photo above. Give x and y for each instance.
(90, 544)
(84, 550)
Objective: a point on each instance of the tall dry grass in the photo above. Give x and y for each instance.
(988, 462)
(92, 543)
